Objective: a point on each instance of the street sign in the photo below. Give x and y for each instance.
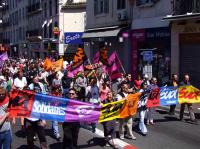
(148, 56)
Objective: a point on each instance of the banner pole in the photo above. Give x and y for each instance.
(120, 63)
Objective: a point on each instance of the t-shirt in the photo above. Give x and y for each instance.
(20, 83)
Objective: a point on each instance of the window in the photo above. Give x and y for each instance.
(56, 6)
(50, 8)
(145, 2)
(121, 4)
(101, 6)
(45, 10)
(50, 30)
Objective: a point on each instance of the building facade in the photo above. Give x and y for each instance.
(185, 38)
(108, 24)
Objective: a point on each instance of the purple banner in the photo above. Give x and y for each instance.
(81, 112)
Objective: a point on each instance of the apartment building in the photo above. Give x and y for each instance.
(108, 24)
(185, 38)
(36, 28)
(151, 39)
(14, 26)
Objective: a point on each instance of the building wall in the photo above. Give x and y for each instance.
(176, 30)
(150, 16)
(107, 19)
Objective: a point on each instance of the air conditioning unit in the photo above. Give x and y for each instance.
(122, 15)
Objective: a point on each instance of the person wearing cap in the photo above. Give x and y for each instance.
(5, 127)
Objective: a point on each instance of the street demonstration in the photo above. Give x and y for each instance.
(82, 94)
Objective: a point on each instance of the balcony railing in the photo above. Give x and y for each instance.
(34, 8)
(181, 7)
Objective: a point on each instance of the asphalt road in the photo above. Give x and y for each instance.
(167, 133)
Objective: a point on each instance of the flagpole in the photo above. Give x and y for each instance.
(120, 63)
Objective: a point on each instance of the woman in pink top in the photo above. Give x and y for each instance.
(137, 82)
(103, 91)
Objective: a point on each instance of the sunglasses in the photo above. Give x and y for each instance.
(71, 93)
(2, 95)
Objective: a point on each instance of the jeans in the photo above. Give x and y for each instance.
(5, 139)
(142, 126)
(55, 129)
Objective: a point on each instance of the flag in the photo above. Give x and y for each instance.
(114, 68)
(47, 64)
(3, 58)
(74, 72)
(188, 94)
(104, 56)
(96, 58)
(79, 58)
(58, 65)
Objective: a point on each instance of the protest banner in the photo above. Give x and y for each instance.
(188, 94)
(168, 96)
(154, 98)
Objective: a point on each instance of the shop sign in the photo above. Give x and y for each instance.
(148, 56)
(56, 31)
(73, 37)
(157, 33)
(191, 29)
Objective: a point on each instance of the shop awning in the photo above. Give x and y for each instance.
(100, 33)
(182, 17)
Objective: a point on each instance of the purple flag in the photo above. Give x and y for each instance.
(74, 72)
(3, 58)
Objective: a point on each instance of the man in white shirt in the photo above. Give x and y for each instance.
(20, 82)
(125, 121)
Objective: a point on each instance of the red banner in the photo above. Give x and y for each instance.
(21, 103)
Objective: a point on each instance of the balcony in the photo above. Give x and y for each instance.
(35, 8)
(182, 7)
(5, 23)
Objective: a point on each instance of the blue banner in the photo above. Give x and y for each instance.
(168, 96)
(73, 37)
(49, 108)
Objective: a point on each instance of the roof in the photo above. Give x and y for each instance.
(79, 5)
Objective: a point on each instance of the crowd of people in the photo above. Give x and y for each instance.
(27, 74)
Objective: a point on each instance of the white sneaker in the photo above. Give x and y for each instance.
(121, 137)
(131, 137)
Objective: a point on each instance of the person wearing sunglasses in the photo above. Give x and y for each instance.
(5, 127)
(71, 129)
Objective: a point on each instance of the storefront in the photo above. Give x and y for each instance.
(151, 52)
